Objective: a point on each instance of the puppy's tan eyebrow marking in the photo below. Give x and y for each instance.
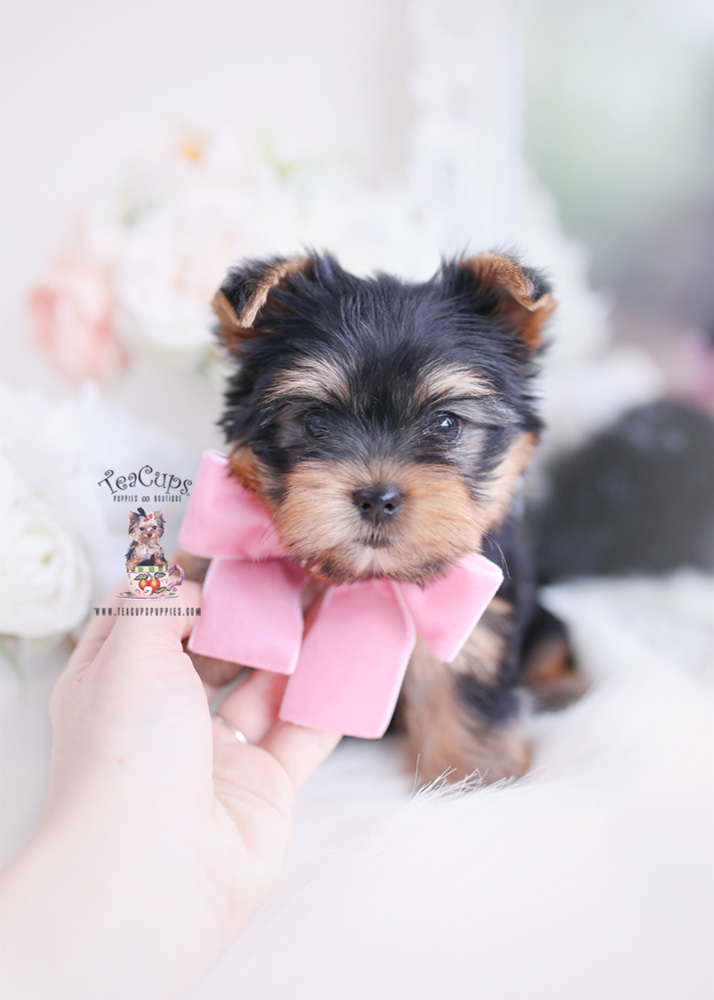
(314, 378)
(453, 381)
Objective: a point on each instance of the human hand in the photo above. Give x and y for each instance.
(162, 833)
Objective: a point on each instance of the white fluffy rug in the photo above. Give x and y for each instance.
(591, 878)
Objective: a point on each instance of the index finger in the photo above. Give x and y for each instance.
(156, 627)
(299, 749)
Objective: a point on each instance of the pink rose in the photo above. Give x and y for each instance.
(71, 314)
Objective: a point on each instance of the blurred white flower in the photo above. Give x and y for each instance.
(200, 201)
(175, 257)
(45, 582)
(58, 453)
(180, 160)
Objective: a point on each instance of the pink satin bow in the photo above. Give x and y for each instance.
(348, 667)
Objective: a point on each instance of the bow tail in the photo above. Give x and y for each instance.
(251, 614)
(352, 662)
(447, 611)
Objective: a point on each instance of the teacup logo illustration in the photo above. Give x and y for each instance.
(147, 569)
(154, 581)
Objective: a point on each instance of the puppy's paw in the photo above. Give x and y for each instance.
(462, 749)
(214, 672)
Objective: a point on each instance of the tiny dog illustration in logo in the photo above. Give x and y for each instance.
(147, 570)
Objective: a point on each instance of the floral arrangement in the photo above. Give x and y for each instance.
(129, 292)
(138, 281)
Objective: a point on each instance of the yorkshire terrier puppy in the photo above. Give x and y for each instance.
(386, 425)
(145, 531)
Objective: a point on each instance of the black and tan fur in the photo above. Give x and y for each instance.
(347, 388)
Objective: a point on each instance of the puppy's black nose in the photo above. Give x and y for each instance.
(377, 504)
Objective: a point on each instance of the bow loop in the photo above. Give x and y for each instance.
(251, 614)
(223, 520)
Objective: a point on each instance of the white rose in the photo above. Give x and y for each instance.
(44, 575)
(173, 260)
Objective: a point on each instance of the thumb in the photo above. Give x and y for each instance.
(127, 674)
(158, 624)
(162, 624)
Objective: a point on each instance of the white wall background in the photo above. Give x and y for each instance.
(85, 83)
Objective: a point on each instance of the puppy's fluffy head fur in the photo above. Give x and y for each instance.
(385, 424)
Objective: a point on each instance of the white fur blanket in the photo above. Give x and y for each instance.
(590, 878)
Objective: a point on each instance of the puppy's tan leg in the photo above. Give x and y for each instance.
(463, 717)
(549, 670)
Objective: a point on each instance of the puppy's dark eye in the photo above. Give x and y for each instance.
(314, 425)
(446, 426)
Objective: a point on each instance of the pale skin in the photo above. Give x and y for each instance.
(162, 833)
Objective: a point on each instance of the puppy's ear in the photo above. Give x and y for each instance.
(134, 519)
(518, 295)
(246, 291)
